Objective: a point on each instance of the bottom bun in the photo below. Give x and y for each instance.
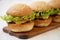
(56, 18)
(42, 23)
(21, 27)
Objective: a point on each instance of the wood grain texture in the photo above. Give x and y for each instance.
(34, 32)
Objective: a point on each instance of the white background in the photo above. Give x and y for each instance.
(5, 4)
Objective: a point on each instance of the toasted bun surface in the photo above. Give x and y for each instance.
(19, 10)
(56, 18)
(40, 6)
(55, 3)
(42, 23)
(21, 27)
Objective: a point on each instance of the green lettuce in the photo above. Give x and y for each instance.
(10, 18)
(25, 17)
(58, 11)
(7, 18)
(53, 11)
(17, 18)
(45, 15)
(32, 16)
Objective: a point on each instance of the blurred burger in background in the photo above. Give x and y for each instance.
(55, 4)
(44, 13)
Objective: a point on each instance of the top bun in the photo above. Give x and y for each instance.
(19, 10)
(40, 6)
(55, 3)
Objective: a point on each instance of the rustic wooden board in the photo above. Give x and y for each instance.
(35, 31)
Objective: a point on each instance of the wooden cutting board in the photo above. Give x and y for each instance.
(34, 32)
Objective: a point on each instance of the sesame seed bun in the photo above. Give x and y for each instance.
(55, 3)
(19, 10)
(21, 27)
(40, 6)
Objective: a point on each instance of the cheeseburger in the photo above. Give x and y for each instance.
(19, 18)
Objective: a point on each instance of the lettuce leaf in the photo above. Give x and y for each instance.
(58, 11)
(7, 18)
(45, 15)
(17, 18)
(10, 18)
(32, 16)
(25, 17)
(53, 11)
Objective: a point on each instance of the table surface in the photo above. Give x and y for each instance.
(5, 4)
